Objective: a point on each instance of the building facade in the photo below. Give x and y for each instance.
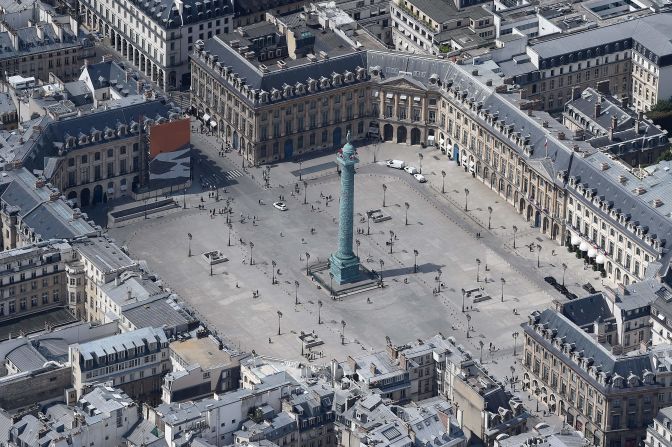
(133, 361)
(158, 38)
(608, 397)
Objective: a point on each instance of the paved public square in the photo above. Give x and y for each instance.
(406, 309)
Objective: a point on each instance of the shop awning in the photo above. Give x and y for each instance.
(430, 138)
(213, 123)
(584, 246)
(592, 253)
(374, 93)
(600, 259)
(123, 187)
(110, 190)
(206, 117)
(576, 240)
(416, 98)
(389, 95)
(403, 97)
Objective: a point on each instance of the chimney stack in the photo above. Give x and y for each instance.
(612, 129)
(638, 121)
(598, 107)
(576, 92)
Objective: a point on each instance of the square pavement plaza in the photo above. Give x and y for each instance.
(406, 309)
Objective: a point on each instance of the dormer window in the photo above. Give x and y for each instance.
(300, 88)
(324, 82)
(361, 74)
(121, 131)
(134, 127)
(83, 139)
(349, 77)
(336, 79)
(264, 96)
(287, 91)
(275, 94)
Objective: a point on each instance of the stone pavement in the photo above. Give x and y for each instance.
(406, 309)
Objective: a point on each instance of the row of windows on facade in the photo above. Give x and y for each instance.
(11, 279)
(23, 303)
(571, 80)
(311, 139)
(97, 173)
(129, 353)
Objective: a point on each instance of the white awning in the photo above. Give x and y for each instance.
(416, 98)
(592, 253)
(430, 138)
(375, 93)
(403, 97)
(472, 164)
(584, 246)
(123, 187)
(576, 240)
(213, 123)
(110, 190)
(389, 95)
(600, 259)
(206, 117)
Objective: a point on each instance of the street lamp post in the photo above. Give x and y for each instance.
(273, 264)
(251, 247)
(468, 325)
(184, 199)
(384, 191)
(368, 223)
(331, 284)
(407, 206)
(415, 261)
(146, 208)
(538, 254)
(342, 332)
(564, 269)
(478, 270)
(489, 217)
(189, 237)
(480, 345)
(305, 192)
(319, 315)
(443, 182)
(229, 225)
(439, 272)
(357, 247)
(296, 293)
(382, 263)
(503, 282)
(300, 170)
(464, 292)
(515, 230)
(420, 157)
(466, 199)
(391, 240)
(279, 318)
(307, 259)
(515, 337)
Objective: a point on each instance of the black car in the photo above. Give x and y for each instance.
(588, 287)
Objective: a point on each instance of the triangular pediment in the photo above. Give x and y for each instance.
(405, 82)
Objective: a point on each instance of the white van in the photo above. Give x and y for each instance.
(396, 164)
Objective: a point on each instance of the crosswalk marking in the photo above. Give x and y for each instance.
(230, 175)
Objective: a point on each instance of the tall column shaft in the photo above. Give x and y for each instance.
(346, 211)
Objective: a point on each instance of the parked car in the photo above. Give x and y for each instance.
(588, 287)
(571, 296)
(282, 206)
(552, 281)
(419, 177)
(411, 170)
(396, 164)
